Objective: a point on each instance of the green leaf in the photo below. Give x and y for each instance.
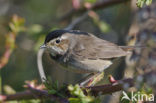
(74, 100)
(35, 29)
(8, 89)
(148, 2)
(76, 90)
(54, 88)
(80, 97)
(17, 24)
(28, 101)
(56, 85)
(90, 1)
(140, 3)
(104, 27)
(52, 91)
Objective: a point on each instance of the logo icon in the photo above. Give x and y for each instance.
(125, 96)
(138, 96)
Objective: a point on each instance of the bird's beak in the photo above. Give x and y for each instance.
(43, 46)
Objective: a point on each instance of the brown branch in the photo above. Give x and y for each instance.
(10, 38)
(34, 93)
(111, 88)
(18, 96)
(76, 21)
(104, 4)
(96, 6)
(45, 94)
(10, 43)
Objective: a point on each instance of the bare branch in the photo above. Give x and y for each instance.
(33, 93)
(76, 21)
(40, 65)
(111, 88)
(99, 5)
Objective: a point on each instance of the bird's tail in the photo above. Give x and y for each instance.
(130, 48)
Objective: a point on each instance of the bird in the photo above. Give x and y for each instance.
(82, 52)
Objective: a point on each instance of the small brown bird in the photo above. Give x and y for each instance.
(82, 52)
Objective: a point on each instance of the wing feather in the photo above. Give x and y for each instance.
(96, 48)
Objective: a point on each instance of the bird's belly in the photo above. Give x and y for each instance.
(79, 67)
(88, 66)
(75, 68)
(84, 66)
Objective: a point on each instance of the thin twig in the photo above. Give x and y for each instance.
(76, 21)
(40, 65)
(111, 88)
(32, 93)
(99, 5)
(44, 94)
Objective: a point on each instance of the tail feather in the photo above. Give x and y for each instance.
(130, 48)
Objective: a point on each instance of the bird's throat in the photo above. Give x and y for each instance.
(55, 56)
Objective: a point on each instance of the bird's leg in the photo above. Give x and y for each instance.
(92, 79)
(83, 81)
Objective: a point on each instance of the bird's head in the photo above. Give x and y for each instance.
(57, 42)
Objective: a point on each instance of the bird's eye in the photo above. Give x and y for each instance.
(58, 41)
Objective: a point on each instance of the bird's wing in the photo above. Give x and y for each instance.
(89, 65)
(96, 48)
(96, 65)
